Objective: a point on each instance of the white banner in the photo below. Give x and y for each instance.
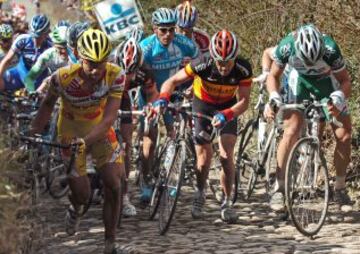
(116, 17)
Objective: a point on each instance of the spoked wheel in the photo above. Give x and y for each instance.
(175, 166)
(56, 179)
(246, 162)
(158, 185)
(214, 177)
(271, 165)
(307, 186)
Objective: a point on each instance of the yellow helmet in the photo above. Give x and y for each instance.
(94, 45)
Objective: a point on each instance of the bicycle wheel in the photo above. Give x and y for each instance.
(175, 166)
(307, 186)
(270, 166)
(157, 188)
(215, 175)
(56, 178)
(246, 161)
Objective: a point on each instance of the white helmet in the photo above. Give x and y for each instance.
(309, 44)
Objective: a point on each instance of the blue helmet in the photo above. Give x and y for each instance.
(163, 16)
(39, 25)
(186, 15)
(135, 32)
(75, 31)
(63, 22)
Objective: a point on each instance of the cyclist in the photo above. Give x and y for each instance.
(316, 68)
(6, 36)
(6, 39)
(90, 95)
(163, 52)
(51, 59)
(218, 81)
(73, 34)
(129, 56)
(27, 47)
(187, 16)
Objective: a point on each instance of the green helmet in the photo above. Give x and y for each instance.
(6, 31)
(58, 35)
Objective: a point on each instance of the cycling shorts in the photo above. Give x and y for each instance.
(104, 151)
(302, 87)
(203, 128)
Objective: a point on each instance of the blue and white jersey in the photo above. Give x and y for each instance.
(166, 61)
(24, 46)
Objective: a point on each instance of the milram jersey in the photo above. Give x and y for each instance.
(77, 103)
(51, 60)
(332, 61)
(209, 86)
(24, 46)
(166, 61)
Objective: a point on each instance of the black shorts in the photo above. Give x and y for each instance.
(126, 106)
(203, 128)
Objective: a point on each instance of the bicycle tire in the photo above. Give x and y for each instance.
(166, 213)
(214, 178)
(157, 188)
(310, 155)
(270, 169)
(245, 173)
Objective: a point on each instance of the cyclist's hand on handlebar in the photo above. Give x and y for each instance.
(80, 143)
(333, 110)
(337, 103)
(262, 77)
(161, 103)
(275, 100)
(222, 117)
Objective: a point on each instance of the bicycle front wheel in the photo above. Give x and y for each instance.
(307, 186)
(246, 161)
(171, 189)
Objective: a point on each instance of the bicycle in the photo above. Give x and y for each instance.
(257, 151)
(33, 167)
(306, 177)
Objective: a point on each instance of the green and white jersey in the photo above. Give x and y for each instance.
(50, 59)
(332, 61)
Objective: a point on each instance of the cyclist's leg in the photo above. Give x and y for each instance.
(79, 185)
(227, 142)
(126, 130)
(204, 151)
(107, 155)
(342, 135)
(293, 122)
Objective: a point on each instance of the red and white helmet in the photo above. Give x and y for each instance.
(129, 56)
(224, 46)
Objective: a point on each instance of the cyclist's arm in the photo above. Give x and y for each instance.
(243, 95)
(34, 72)
(344, 80)
(179, 78)
(5, 62)
(44, 113)
(273, 79)
(267, 59)
(101, 130)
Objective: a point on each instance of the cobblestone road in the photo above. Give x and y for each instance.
(258, 230)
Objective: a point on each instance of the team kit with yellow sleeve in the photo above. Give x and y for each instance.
(214, 92)
(81, 111)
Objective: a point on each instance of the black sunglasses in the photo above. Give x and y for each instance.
(164, 30)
